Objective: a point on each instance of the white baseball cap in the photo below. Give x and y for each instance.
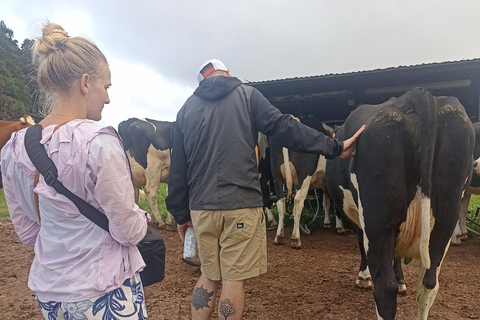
(217, 65)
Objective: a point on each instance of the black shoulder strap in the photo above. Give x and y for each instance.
(46, 167)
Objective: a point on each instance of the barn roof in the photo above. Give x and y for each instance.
(332, 97)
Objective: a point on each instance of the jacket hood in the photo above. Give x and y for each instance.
(216, 87)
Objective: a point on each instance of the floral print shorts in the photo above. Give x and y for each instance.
(126, 302)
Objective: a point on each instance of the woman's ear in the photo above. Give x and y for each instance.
(84, 83)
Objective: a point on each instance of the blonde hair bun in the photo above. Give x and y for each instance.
(53, 38)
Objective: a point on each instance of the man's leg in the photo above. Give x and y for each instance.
(203, 298)
(232, 300)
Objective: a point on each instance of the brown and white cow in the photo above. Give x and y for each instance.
(403, 189)
(9, 127)
(147, 143)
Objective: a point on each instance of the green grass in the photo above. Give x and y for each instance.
(472, 208)
(142, 203)
(161, 195)
(308, 216)
(3, 205)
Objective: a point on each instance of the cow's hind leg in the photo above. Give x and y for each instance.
(380, 262)
(397, 268)
(169, 222)
(299, 202)
(463, 216)
(339, 225)
(460, 233)
(136, 192)
(427, 283)
(151, 190)
(364, 279)
(281, 215)
(326, 208)
(270, 217)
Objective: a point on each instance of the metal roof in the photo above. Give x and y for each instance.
(455, 64)
(332, 97)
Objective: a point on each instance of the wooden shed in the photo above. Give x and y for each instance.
(331, 98)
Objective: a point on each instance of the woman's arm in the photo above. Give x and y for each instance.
(114, 190)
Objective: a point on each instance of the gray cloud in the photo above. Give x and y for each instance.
(263, 40)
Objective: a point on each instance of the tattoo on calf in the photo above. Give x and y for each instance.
(201, 298)
(227, 308)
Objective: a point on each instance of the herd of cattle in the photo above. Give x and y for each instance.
(406, 191)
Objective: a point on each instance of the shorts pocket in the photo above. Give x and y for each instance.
(240, 225)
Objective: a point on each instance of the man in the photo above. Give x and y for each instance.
(213, 173)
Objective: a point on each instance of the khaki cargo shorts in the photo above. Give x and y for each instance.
(232, 244)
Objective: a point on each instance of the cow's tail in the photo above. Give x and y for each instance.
(425, 108)
(288, 172)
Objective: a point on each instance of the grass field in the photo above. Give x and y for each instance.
(307, 216)
(3, 205)
(142, 203)
(161, 195)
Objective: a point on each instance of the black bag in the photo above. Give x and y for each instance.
(152, 247)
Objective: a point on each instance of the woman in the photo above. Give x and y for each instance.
(79, 271)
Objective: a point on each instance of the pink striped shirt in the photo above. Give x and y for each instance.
(74, 258)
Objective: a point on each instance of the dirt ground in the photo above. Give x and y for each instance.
(315, 282)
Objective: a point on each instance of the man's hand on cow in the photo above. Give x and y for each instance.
(182, 228)
(349, 144)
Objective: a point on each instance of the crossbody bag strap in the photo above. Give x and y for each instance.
(37, 179)
(46, 167)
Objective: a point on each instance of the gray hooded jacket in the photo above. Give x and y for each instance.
(213, 163)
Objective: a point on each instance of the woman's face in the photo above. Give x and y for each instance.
(98, 95)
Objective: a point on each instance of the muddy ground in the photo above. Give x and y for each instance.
(315, 282)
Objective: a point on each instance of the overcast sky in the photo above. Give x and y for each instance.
(155, 48)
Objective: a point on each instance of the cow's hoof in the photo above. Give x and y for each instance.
(402, 288)
(365, 284)
(455, 241)
(165, 227)
(327, 226)
(296, 244)
(278, 241)
(341, 231)
(464, 237)
(170, 227)
(273, 224)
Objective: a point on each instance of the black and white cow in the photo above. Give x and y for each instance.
(147, 143)
(292, 171)
(265, 177)
(460, 233)
(403, 188)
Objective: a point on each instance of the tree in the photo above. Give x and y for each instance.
(30, 74)
(14, 93)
